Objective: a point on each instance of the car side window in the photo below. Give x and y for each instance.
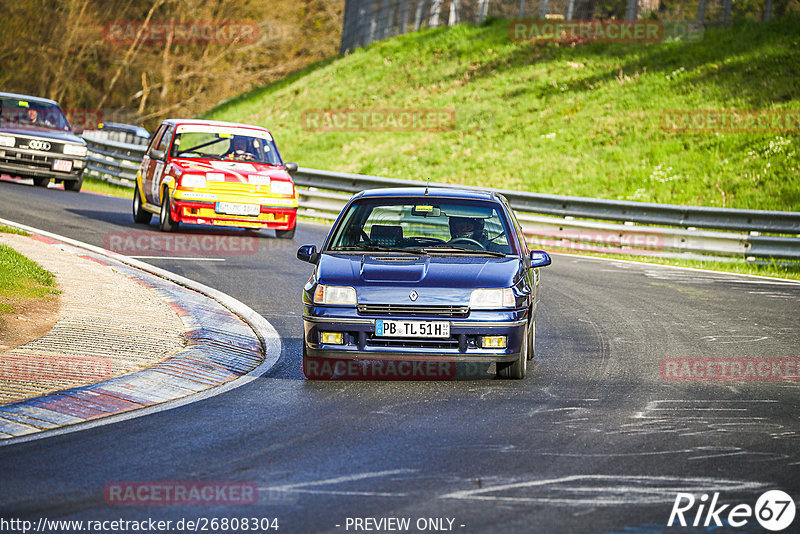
(523, 243)
(156, 137)
(163, 145)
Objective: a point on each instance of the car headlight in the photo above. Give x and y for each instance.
(280, 187)
(335, 295)
(75, 150)
(257, 179)
(8, 141)
(193, 180)
(492, 298)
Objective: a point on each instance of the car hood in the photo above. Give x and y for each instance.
(233, 171)
(47, 133)
(389, 278)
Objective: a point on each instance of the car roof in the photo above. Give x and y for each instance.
(214, 123)
(438, 192)
(31, 98)
(138, 131)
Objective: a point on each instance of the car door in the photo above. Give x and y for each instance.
(158, 166)
(530, 274)
(149, 165)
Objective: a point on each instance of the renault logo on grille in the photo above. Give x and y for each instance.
(39, 145)
(413, 295)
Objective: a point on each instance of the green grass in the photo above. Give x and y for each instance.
(21, 278)
(10, 230)
(580, 120)
(96, 185)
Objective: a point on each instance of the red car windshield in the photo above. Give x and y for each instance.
(225, 146)
(19, 113)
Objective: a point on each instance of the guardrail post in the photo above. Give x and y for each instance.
(543, 9)
(632, 10)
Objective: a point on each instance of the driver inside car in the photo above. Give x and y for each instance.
(467, 228)
(239, 149)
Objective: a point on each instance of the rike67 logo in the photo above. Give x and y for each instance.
(774, 511)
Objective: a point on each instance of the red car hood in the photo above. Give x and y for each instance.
(229, 171)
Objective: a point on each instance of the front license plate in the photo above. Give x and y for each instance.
(412, 328)
(63, 165)
(231, 208)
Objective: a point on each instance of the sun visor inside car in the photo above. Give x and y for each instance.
(466, 210)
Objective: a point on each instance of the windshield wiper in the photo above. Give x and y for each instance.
(461, 250)
(377, 248)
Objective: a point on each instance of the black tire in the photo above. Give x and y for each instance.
(139, 214)
(519, 367)
(73, 185)
(41, 182)
(166, 223)
(285, 234)
(307, 360)
(532, 341)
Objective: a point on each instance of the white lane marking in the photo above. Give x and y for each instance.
(773, 295)
(604, 490)
(631, 263)
(734, 339)
(345, 478)
(301, 487)
(175, 258)
(344, 493)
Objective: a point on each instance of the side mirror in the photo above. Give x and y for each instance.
(157, 154)
(78, 130)
(539, 258)
(291, 166)
(308, 253)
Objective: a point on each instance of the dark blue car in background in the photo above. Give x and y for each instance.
(421, 278)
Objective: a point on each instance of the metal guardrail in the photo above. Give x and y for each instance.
(735, 232)
(588, 208)
(112, 158)
(549, 221)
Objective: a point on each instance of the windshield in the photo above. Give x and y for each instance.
(226, 146)
(423, 224)
(18, 113)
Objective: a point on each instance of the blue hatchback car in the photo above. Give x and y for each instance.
(421, 277)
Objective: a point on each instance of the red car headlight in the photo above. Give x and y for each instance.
(193, 180)
(281, 187)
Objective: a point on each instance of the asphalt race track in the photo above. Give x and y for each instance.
(596, 439)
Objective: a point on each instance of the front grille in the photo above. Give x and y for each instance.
(51, 146)
(411, 310)
(448, 343)
(19, 161)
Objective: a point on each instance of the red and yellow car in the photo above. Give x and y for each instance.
(215, 173)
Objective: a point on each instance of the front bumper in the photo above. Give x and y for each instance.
(38, 164)
(463, 345)
(203, 212)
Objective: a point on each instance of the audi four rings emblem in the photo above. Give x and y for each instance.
(38, 145)
(413, 295)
